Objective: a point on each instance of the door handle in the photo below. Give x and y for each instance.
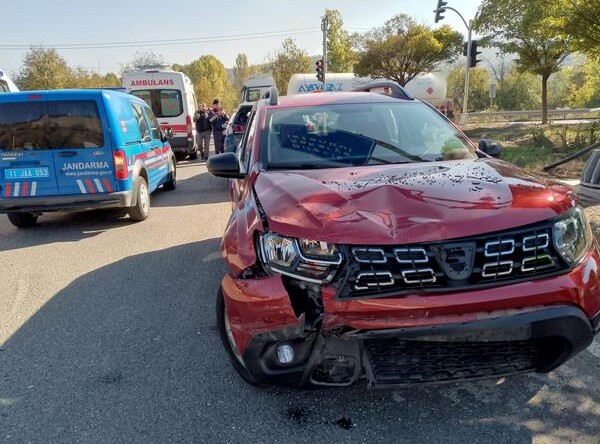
(67, 153)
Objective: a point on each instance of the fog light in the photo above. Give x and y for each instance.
(285, 354)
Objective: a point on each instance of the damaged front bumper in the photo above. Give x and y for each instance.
(412, 339)
(532, 341)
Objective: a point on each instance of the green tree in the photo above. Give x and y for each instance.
(403, 49)
(241, 71)
(210, 80)
(577, 21)
(584, 85)
(340, 56)
(479, 80)
(43, 69)
(287, 61)
(517, 27)
(518, 91)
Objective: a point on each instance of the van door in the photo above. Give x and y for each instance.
(26, 161)
(157, 160)
(81, 146)
(149, 146)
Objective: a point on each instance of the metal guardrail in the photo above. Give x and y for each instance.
(531, 115)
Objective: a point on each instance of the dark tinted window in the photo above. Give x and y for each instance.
(164, 102)
(141, 122)
(50, 125)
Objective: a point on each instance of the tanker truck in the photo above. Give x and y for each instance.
(429, 87)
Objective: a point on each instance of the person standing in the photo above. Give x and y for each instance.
(203, 130)
(218, 119)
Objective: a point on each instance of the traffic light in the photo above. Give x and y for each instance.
(473, 60)
(319, 68)
(439, 10)
(465, 48)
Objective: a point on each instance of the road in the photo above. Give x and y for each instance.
(108, 335)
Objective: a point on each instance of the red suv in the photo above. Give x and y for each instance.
(370, 239)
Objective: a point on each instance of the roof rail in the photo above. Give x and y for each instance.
(386, 87)
(273, 95)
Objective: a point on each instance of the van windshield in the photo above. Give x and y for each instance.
(50, 125)
(164, 102)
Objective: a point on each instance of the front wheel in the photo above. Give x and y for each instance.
(141, 209)
(229, 343)
(23, 220)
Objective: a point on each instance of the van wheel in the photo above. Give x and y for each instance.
(229, 344)
(141, 209)
(23, 220)
(171, 182)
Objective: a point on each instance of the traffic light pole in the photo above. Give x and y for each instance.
(464, 117)
(324, 28)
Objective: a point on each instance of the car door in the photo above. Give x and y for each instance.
(26, 161)
(81, 147)
(157, 159)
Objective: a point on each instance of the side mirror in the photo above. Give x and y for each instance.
(490, 148)
(225, 165)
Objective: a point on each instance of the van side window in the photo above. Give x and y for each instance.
(154, 125)
(141, 122)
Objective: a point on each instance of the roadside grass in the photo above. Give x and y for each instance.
(533, 146)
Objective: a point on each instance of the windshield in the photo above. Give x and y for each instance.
(164, 102)
(359, 134)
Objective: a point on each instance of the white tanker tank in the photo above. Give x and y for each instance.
(430, 87)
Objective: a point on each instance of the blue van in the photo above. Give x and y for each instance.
(77, 150)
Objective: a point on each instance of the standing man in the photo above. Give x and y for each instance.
(218, 119)
(203, 131)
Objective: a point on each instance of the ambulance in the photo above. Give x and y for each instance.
(171, 96)
(6, 85)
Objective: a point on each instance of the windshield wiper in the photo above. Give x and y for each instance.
(399, 150)
(304, 166)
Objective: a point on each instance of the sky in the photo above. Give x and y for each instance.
(254, 27)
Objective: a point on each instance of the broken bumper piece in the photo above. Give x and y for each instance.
(533, 341)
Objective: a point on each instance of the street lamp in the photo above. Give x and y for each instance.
(441, 8)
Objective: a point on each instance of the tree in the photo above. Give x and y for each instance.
(518, 91)
(402, 49)
(241, 71)
(517, 27)
(479, 79)
(43, 69)
(144, 60)
(579, 22)
(340, 56)
(210, 80)
(287, 61)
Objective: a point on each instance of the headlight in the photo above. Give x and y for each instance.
(572, 236)
(311, 261)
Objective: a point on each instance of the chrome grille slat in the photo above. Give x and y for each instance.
(499, 258)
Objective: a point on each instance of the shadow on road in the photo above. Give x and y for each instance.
(130, 353)
(200, 189)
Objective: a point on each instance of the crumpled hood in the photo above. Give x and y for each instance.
(408, 203)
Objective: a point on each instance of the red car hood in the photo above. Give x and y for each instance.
(406, 203)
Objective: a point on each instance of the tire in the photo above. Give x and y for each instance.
(227, 340)
(171, 182)
(141, 209)
(23, 220)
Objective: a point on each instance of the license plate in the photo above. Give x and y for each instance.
(26, 173)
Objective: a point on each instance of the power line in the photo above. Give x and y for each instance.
(187, 41)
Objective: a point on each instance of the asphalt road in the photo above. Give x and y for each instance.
(108, 335)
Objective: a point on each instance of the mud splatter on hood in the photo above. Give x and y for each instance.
(407, 203)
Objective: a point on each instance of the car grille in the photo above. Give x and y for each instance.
(395, 361)
(487, 260)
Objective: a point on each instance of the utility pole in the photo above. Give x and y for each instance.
(439, 10)
(324, 28)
